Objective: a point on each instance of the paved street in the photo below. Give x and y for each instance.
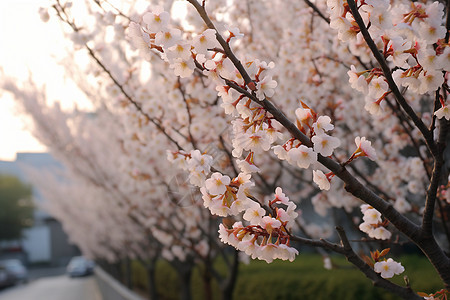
(54, 288)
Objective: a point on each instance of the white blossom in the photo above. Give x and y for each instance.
(388, 268)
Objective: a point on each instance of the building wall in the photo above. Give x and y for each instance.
(36, 243)
(61, 250)
(45, 242)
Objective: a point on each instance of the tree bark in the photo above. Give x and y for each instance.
(128, 274)
(152, 292)
(184, 275)
(207, 280)
(227, 287)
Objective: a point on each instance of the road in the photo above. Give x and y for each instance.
(54, 288)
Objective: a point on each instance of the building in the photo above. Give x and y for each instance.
(45, 242)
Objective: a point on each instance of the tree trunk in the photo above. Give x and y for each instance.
(207, 280)
(152, 292)
(184, 275)
(227, 287)
(437, 257)
(128, 274)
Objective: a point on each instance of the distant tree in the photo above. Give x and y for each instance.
(16, 208)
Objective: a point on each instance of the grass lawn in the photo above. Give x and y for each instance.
(305, 278)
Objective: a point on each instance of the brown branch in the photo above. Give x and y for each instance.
(130, 99)
(346, 250)
(183, 95)
(422, 238)
(403, 122)
(427, 221)
(447, 21)
(226, 47)
(404, 292)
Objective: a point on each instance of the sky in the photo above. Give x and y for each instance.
(28, 45)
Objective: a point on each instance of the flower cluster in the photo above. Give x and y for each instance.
(254, 130)
(302, 156)
(412, 39)
(202, 51)
(198, 164)
(224, 197)
(254, 135)
(259, 71)
(267, 237)
(373, 84)
(373, 225)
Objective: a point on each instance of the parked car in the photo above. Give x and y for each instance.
(16, 267)
(80, 266)
(6, 277)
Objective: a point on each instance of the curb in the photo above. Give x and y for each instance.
(111, 289)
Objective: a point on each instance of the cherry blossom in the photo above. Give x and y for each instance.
(321, 180)
(322, 125)
(302, 156)
(156, 20)
(217, 183)
(196, 93)
(364, 148)
(388, 268)
(443, 112)
(205, 41)
(254, 213)
(325, 144)
(266, 88)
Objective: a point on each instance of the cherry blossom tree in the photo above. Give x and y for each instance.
(265, 105)
(395, 29)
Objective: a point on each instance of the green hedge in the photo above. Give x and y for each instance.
(305, 278)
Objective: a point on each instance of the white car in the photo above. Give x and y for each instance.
(80, 266)
(16, 268)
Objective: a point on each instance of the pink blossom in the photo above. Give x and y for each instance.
(156, 20)
(266, 87)
(280, 196)
(325, 144)
(205, 41)
(388, 268)
(269, 223)
(254, 213)
(443, 112)
(322, 125)
(321, 180)
(217, 183)
(365, 148)
(302, 156)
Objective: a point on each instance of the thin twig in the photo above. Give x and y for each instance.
(317, 10)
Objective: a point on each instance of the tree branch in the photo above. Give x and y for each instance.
(427, 221)
(316, 9)
(404, 292)
(428, 136)
(352, 185)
